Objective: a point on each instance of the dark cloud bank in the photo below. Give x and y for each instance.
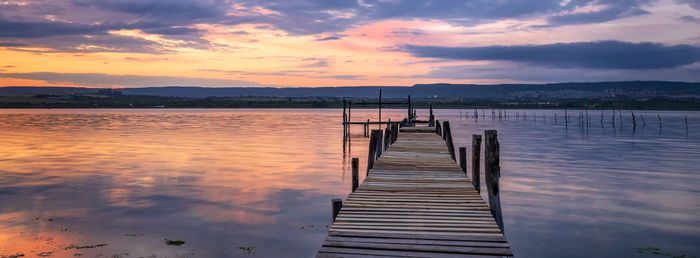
(594, 55)
(27, 25)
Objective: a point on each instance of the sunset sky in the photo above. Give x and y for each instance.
(132, 43)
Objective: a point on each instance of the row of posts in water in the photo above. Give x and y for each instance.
(583, 118)
(380, 140)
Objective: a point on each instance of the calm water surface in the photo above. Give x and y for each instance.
(258, 183)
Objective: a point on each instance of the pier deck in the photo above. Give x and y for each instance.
(415, 202)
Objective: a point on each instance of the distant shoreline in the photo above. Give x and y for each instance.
(78, 101)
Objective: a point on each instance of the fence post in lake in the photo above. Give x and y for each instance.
(431, 119)
(337, 204)
(448, 138)
(355, 173)
(476, 161)
(372, 153)
(492, 171)
(463, 159)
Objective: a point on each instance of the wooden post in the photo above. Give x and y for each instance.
(349, 114)
(387, 138)
(492, 171)
(476, 161)
(448, 139)
(410, 111)
(380, 139)
(337, 205)
(372, 153)
(444, 133)
(463, 159)
(431, 118)
(394, 132)
(355, 173)
(686, 125)
(364, 132)
(345, 120)
(380, 108)
(367, 128)
(438, 130)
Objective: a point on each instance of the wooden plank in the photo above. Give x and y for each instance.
(416, 201)
(420, 248)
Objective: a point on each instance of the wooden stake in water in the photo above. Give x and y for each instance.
(686, 125)
(355, 173)
(337, 204)
(380, 109)
(613, 118)
(463, 159)
(659, 116)
(492, 170)
(619, 113)
(634, 120)
(476, 161)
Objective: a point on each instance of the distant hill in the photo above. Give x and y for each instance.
(601, 90)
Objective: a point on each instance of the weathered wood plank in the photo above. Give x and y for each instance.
(416, 201)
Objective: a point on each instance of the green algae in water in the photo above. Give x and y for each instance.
(174, 242)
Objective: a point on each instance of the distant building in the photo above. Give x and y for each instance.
(109, 92)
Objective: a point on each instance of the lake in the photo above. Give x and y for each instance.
(258, 182)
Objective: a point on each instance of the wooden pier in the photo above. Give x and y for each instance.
(416, 201)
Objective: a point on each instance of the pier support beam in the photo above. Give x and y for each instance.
(463, 159)
(372, 153)
(448, 138)
(337, 205)
(476, 162)
(492, 171)
(355, 173)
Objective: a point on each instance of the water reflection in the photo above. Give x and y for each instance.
(223, 179)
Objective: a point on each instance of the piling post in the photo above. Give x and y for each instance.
(476, 161)
(380, 140)
(448, 138)
(337, 205)
(372, 153)
(345, 119)
(367, 130)
(355, 173)
(634, 120)
(438, 130)
(686, 125)
(492, 170)
(387, 138)
(380, 108)
(394, 132)
(659, 116)
(410, 109)
(463, 159)
(431, 119)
